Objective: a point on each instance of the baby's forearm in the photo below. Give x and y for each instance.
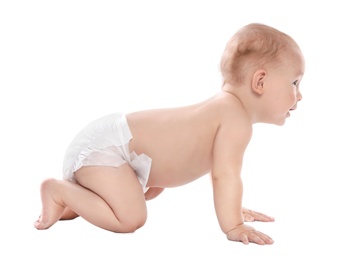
(227, 199)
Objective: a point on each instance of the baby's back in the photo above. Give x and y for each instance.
(179, 140)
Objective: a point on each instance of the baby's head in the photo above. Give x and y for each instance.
(253, 47)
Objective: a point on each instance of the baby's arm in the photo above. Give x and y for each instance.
(228, 152)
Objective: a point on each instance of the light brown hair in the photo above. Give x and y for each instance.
(253, 46)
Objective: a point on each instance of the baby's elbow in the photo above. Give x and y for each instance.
(153, 192)
(218, 176)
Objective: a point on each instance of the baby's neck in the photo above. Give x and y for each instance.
(246, 100)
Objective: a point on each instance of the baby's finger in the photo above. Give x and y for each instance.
(261, 217)
(256, 239)
(267, 240)
(244, 239)
(248, 218)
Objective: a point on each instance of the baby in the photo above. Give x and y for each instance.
(119, 161)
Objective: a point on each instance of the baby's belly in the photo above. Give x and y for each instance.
(175, 176)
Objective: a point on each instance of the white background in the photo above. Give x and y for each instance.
(65, 63)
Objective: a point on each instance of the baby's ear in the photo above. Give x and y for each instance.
(258, 81)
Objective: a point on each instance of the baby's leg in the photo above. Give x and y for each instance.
(110, 198)
(123, 207)
(68, 214)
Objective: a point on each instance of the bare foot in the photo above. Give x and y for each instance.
(51, 209)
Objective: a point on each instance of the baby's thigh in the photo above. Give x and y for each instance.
(119, 188)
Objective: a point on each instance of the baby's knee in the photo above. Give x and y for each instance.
(132, 223)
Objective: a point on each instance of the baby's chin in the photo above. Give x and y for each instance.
(282, 120)
(279, 122)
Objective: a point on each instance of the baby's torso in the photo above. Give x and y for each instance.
(179, 141)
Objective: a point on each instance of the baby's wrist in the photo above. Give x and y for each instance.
(233, 228)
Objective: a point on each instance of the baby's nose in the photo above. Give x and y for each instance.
(299, 96)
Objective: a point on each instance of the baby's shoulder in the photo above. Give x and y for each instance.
(228, 108)
(233, 121)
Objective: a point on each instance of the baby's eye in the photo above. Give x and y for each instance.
(295, 82)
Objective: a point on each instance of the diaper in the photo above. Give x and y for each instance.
(105, 142)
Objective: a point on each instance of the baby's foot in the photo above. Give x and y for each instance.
(51, 209)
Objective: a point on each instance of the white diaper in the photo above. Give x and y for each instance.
(105, 142)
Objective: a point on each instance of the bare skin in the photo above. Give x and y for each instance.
(176, 161)
(54, 209)
(114, 201)
(184, 143)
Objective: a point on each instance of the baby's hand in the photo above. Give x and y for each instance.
(250, 216)
(247, 234)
